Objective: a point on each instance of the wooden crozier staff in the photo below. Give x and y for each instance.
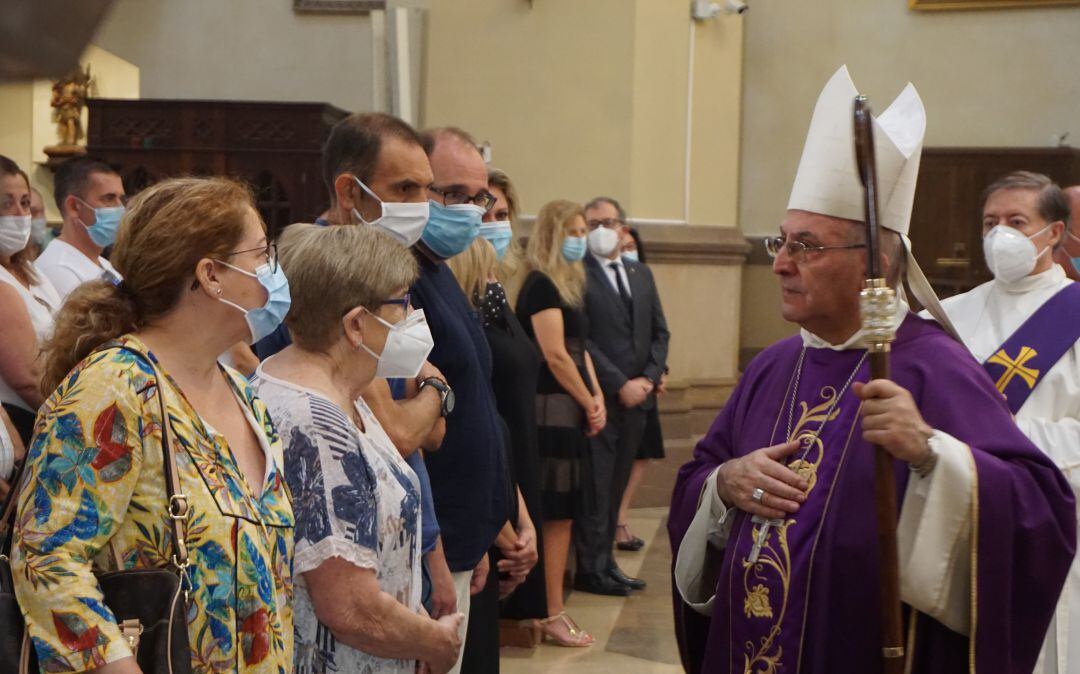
(877, 303)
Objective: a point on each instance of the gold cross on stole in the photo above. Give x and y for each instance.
(1015, 367)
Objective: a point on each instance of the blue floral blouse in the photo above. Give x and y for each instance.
(356, 499)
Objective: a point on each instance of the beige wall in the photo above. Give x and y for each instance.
(243, 49)
(586, 98)
(1003, 77)
(28, 125)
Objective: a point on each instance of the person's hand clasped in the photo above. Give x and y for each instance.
(518, 561)
(635, 391)
(596, 416)
(891, 420)
(782, 489)
(449, 646)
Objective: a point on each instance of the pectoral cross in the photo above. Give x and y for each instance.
(764, 526)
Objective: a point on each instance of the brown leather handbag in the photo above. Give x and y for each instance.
(149, 604)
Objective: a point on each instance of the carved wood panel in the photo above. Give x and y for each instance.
(275, 147)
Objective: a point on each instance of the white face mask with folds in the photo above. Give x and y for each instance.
(14, 233)
(603, 241)
(405, 221)
(407, 346)
(1010, 254)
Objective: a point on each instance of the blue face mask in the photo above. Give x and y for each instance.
(631, 255)
(573, 248)
(106, 224)
(451, 229)
(1075, 260)
(265, 319)
(499, 235)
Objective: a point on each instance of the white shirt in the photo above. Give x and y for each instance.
(41, 302)
(68, 268)
(985, 317)
(610, 273)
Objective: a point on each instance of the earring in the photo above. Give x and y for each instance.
(219, 291)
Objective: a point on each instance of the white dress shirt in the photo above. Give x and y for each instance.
(605, 263)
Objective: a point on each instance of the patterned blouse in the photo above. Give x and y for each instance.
(95, 490)
(355, 499)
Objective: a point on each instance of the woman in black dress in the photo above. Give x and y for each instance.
(569, 403)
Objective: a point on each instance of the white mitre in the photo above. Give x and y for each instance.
(828, 179)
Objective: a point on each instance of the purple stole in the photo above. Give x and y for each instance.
(1017, 365)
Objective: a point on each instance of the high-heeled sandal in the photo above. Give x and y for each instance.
(578, 637)
(633, 544)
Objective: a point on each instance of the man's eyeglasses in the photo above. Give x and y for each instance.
(610, 223)
(269, 252)
(797, 250)
(484, 200)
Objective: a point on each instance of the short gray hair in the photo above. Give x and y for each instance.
(1053, 206)
(597, 201)
(332, 270)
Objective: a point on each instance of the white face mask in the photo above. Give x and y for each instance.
(14, 233)
(404, 221)
(1010, 254)
(407, 347)
(603, 241)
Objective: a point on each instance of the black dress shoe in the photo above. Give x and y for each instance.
(596, 583)
(621, 578)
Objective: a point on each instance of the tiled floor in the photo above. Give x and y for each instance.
(633, 635)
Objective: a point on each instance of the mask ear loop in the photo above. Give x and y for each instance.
(356, 211)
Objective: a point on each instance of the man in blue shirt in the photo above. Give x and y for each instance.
(469, 476)
(375, 167)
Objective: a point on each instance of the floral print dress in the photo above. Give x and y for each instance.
(94, 499)
(355, 499)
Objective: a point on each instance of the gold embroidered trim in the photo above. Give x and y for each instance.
(765, 657)
(824, 513)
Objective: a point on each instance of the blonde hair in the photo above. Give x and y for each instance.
(166, 230)
(544, 251)
(473, 267)
(510, 265)
(333, 270)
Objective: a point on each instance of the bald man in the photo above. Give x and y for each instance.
(1068, 253)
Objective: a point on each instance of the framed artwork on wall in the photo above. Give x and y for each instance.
(337, 6)
(985, 4)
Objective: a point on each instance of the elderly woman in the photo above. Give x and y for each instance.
(569, 403)
(27, 303)
(199, 276)
(357, 502)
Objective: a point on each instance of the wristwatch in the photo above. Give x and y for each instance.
(446, 394)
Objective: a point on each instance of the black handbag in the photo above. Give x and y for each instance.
(149, 604)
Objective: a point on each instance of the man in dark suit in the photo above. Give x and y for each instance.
(628, 341)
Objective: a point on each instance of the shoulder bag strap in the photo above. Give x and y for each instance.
(178, 508)
(7, 520)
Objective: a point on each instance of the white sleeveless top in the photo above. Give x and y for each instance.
(41, 301)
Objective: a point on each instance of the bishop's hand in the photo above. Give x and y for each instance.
(762, 469)
(892, 420)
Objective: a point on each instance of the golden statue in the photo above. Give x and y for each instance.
(68, 100)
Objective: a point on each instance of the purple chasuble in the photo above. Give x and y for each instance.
(811, 602)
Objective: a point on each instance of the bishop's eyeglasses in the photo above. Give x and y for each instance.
(797, 250)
